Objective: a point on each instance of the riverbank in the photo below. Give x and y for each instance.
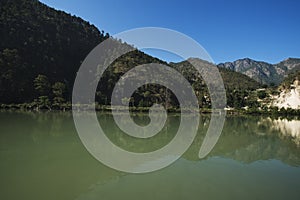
(107, 108)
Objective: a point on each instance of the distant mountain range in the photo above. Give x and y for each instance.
(263, 72)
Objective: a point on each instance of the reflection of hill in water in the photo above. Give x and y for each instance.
(250, 139)
(287, 128)
(51, 146)
(243, 138)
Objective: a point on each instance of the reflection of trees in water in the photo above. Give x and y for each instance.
(40, 126)
(129, 143)
(246, 139)
(44, 147)
(243, 138)
(52, 125)
(252, 138)
(49, 144)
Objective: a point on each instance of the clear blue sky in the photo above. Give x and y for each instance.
(228, 30)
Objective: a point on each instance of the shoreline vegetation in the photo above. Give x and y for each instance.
(270, 111)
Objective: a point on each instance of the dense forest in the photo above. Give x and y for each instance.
(38, 42)
(41, 50)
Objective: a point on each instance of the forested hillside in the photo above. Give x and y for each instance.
(41, 50)
(36, 39)
(238, 86)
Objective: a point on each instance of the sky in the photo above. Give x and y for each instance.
(262, 30)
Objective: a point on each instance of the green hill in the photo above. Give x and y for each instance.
(238, 86)
(36, 39)
(41, 50)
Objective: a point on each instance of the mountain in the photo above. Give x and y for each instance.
(264, 73)
(41, 50)
(289, 65)
(232, 80)
(239, 87)
(37, 39)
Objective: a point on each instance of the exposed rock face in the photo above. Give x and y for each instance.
(289, 98)
(263, 72)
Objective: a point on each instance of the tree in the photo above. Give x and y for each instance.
(13, 76)
(59, 90)
(262, 94)
(43, 102)
(42, 85)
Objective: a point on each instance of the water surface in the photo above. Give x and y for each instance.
(42, 157)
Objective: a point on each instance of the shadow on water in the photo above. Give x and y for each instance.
(42, 157)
